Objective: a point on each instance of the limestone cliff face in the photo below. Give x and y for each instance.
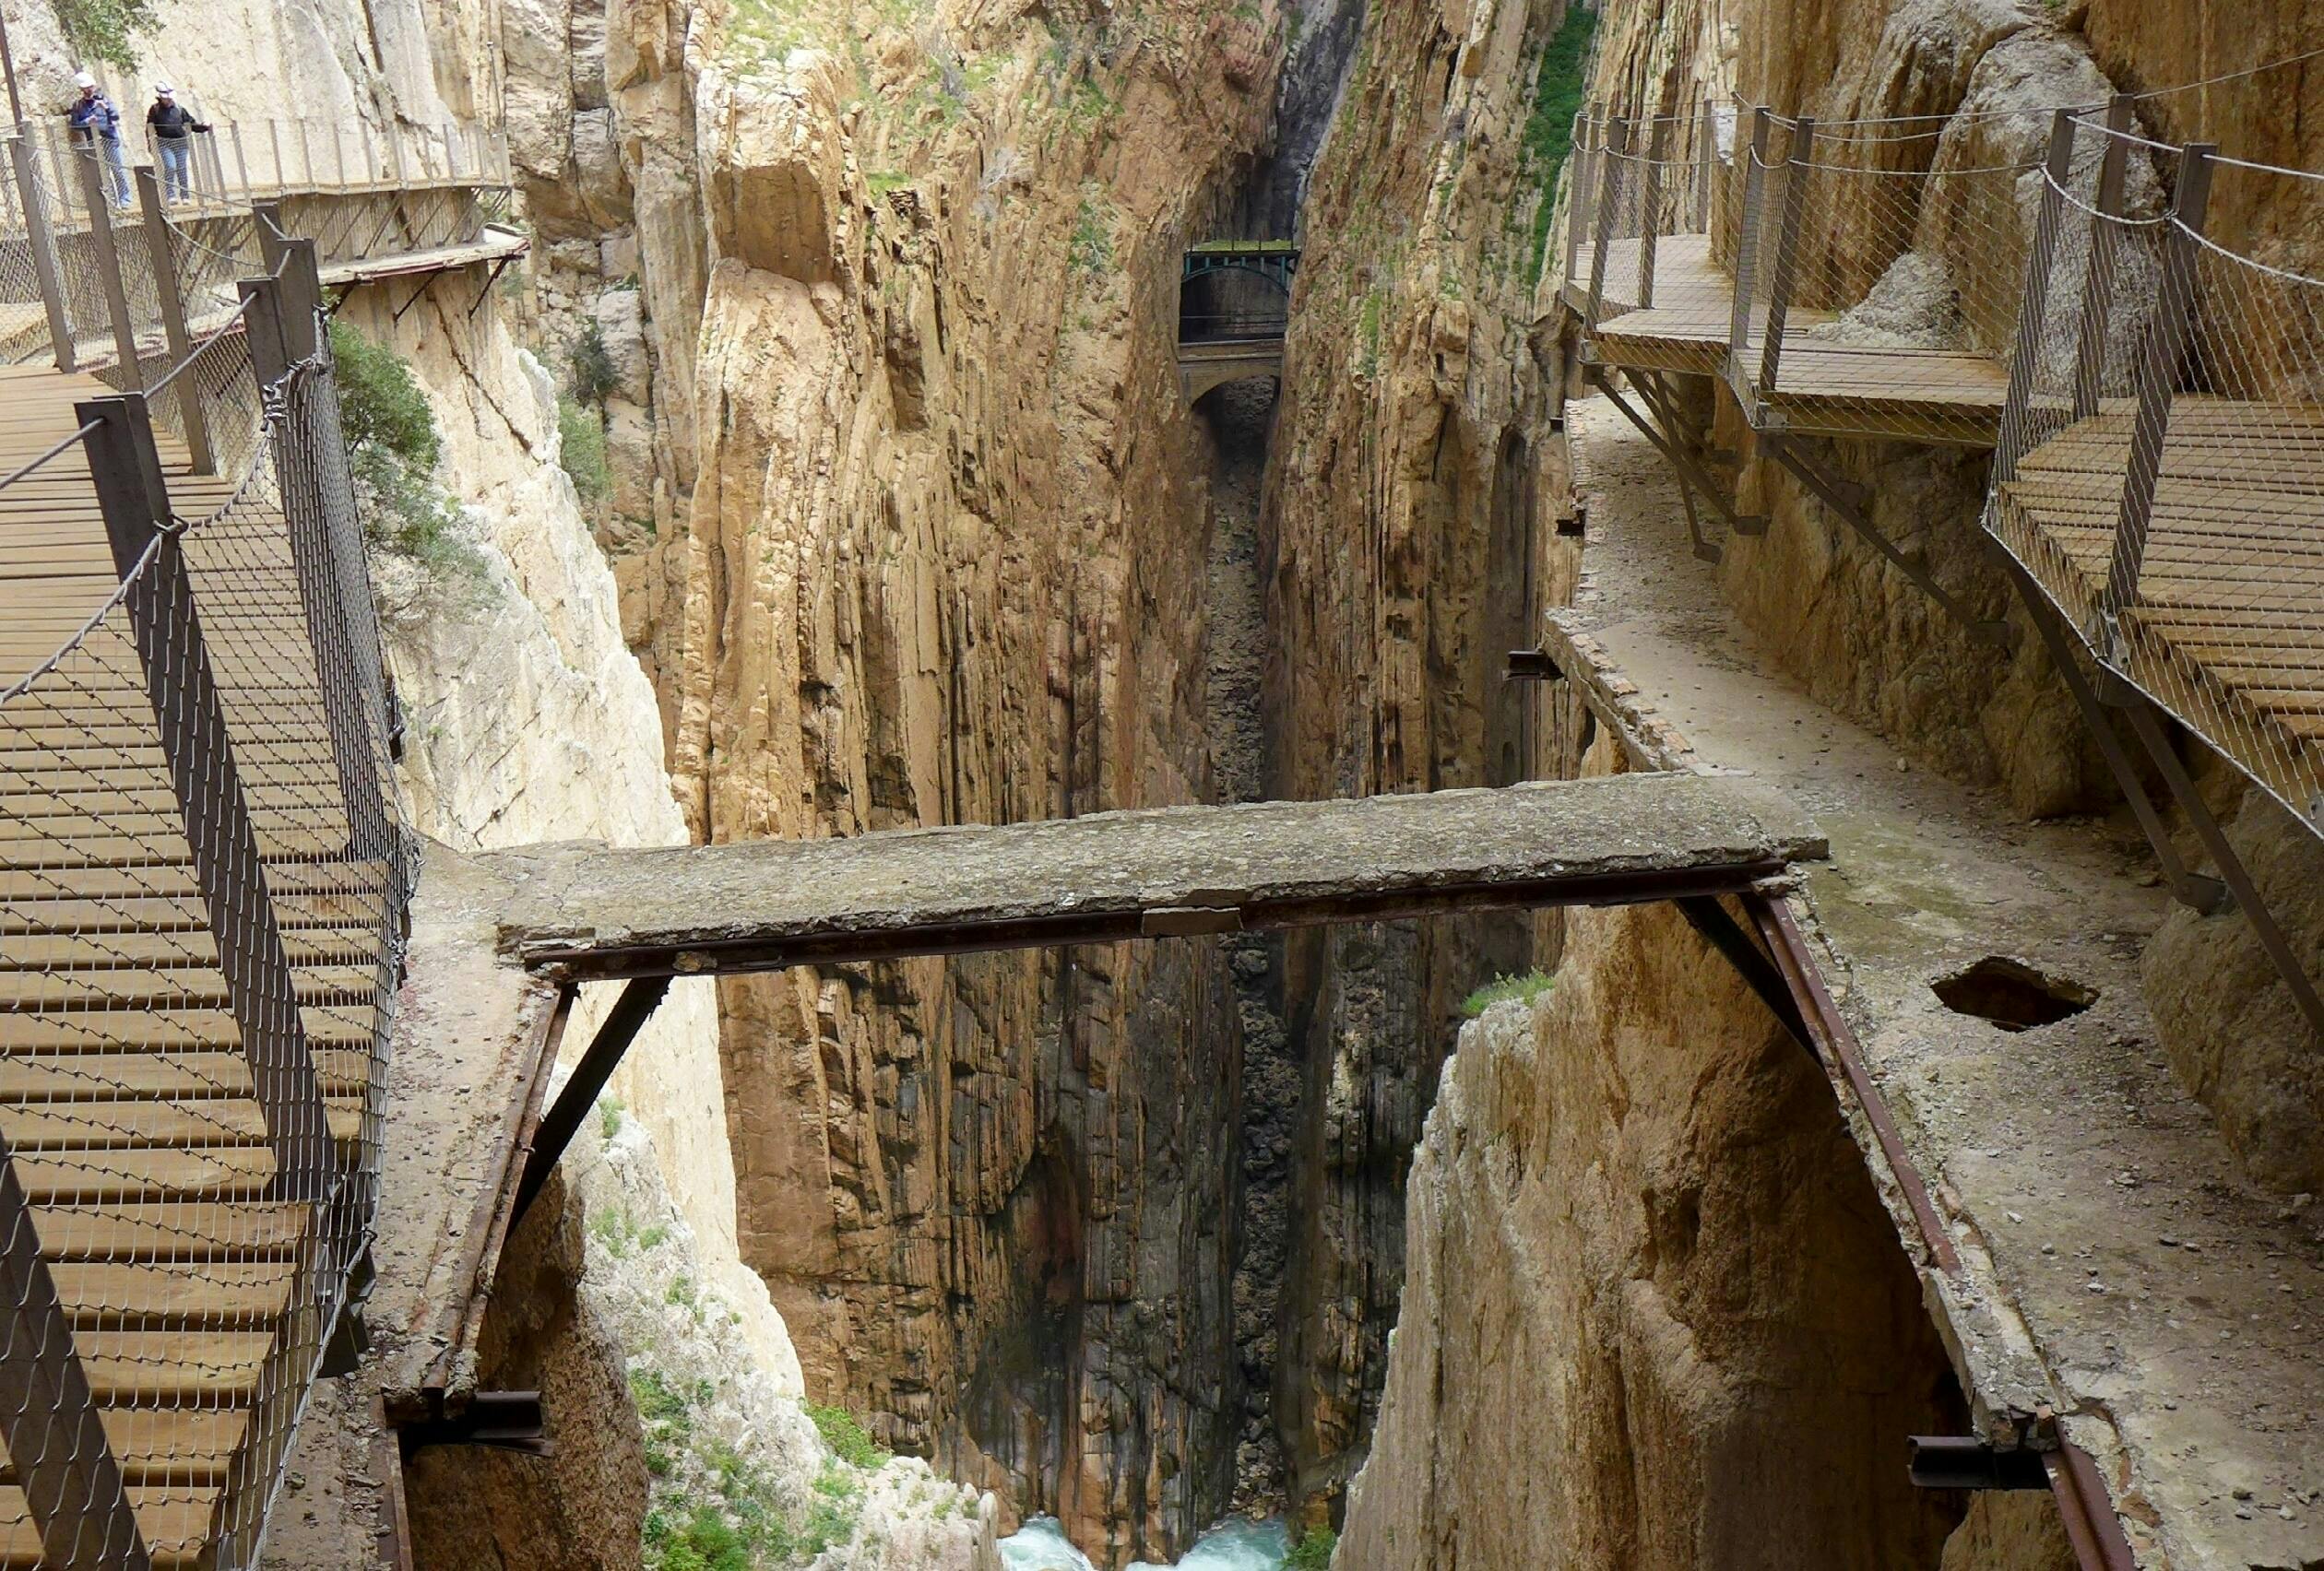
(922, 552)
(1654, 1312)
(1397, 540)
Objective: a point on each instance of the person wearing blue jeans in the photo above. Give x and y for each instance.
(170, 125)
(94, 123)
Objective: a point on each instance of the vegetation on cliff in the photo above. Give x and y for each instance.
(393, 447)
(1556, 98)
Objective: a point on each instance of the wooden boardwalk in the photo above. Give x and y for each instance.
(1823, 388)
(124, 1090)
(2230, 610)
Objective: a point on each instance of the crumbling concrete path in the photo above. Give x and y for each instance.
(2117, 1265)
(589, 912)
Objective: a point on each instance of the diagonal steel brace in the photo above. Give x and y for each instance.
(1690, 473)
(1847, 502)
(2188, 888)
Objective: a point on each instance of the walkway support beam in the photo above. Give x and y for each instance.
(190, 717)
(1780, 282)
(2158, 380)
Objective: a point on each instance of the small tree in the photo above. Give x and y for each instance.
(594, 378)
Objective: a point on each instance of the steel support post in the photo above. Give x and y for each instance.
(2145, 722)
(65, 1466)
(274, 140)
(242, 161)
(306, 157)
(1785, 275)
(370, 155)
(190, 716)
(41, 239)
(1609, 193)
(2188, 888)
(639, 999)
(2089, 338)
(172, 305)
(100, 242)
(2158, 379)
(1747, 258)
(2034, 304)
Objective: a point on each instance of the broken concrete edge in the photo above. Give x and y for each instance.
(1144, 872)
(2011, 1396)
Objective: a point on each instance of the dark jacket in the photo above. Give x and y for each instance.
(171, 122)
(96, 114)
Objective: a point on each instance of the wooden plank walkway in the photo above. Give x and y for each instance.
(2229, 627)
(125, 1092)
(1822, 388)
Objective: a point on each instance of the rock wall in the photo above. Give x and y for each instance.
(1654, 1312)
(923, 550)
(1397, 544)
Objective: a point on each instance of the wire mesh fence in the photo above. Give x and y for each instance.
(1646, 196)
(2161, 468)
(202, 893)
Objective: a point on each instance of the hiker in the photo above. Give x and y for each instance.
(93, 122)
(170, 123)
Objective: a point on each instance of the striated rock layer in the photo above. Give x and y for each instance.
(902, 490)
(1398, 541)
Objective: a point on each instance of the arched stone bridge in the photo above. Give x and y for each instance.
(1221, 339)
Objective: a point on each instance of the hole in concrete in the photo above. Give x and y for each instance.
(2013, 995)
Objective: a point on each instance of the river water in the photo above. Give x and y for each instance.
(1236, 1545)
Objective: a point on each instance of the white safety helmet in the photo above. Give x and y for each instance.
(163, 89)
(84, 79)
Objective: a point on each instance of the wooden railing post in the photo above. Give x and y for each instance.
(2158, 376)
(100, 243)
(1609, 198)
(41, 240)
(1579, 182)
(190, 717)
(2034, 303)
(1747, 247)
(1706, 163)
(280, 320)
(1786, 274)
(56, 1436)
(1650, 208)
(2090, 341)
(173, 304)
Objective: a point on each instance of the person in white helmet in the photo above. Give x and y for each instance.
(171, 126)
(94, 123)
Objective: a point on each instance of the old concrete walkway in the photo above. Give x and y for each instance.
(586, 912)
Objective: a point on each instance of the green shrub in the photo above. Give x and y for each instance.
(593, 377)
(381, 406)
(1549, 128)
(582, 449)
(101, 29)
(1524, 989)
(847, 1436)
(1313, 1551)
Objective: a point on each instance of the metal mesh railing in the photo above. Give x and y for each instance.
(1877, 274)
(203, 884)
(1649, 194)
(2161, 468)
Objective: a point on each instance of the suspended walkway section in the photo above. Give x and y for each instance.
(204, 884)
(2037, 283)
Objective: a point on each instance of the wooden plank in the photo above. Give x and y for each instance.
(79, 951)
(138, 991)
(169, 1446)
(108, 1178)
(173, 1518)
(221, 1295)
(173, 1230)
(179, 1075)
(162, 915)
(198, 1123)
(170, 1030)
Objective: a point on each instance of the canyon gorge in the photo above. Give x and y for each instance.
(825, 469)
